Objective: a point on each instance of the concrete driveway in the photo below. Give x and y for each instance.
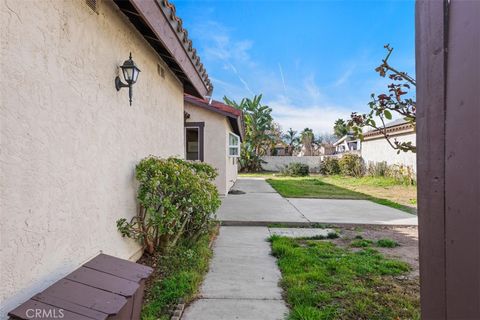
(261, 205)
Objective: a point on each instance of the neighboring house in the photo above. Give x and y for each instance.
(347, 143)
(70, 140)
(375, 148)
(213, 133)
(281, 149)
(326, 149)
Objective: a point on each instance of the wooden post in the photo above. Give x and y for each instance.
(448, 143)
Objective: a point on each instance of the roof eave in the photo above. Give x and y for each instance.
(158, 24)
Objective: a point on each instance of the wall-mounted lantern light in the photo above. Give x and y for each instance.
(130, 74)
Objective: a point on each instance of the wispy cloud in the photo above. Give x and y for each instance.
(283, 79)
(345, 76)
(304, 104)
(318, 117)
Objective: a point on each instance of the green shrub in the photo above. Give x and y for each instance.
(296, 169)
(177, 200)
(352, 165)
(361, 243)
(387, 243)
(329, 166)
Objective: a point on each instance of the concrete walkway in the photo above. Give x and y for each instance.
(261, 205)
(242, 282)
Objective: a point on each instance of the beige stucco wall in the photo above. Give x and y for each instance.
(378, 150)
(216, 132)
(69, 140)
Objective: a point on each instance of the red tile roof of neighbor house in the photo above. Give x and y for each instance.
(234, 115)
(222, 107)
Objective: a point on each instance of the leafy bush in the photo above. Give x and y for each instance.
(329, 166)
(352, 165)
(296, 169)
(177, 200)
(387, 243)
(361, 243)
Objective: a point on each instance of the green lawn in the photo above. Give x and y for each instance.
(178, 275)
(380, 190)
(324, 282)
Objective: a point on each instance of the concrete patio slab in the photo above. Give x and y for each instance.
(242, 282)
(300, 232)
(351, 212)
(253, 185)
(226, 309)
(258, 207)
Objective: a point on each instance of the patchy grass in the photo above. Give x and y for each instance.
(326, 282)
(377, 189)
(178, 275)
(387, 243)
(361, 243)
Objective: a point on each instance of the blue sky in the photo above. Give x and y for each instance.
(313, 61)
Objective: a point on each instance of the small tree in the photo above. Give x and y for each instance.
(258, 131)
(340, 128)
(381, 106)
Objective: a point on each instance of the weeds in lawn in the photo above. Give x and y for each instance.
(387, 243)
(326, 282)
(361, 243)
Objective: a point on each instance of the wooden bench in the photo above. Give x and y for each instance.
(103, 288)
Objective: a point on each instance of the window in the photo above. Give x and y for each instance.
(233, 145)
(194, 140)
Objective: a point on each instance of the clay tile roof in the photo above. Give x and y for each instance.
(222, 107)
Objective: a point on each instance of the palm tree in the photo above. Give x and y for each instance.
(291, 139)
(340, 128)
(307, 138)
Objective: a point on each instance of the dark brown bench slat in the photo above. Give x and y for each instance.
(27, 309)
(67, 305)
(86, 296)
(104, 281)
(119, 267)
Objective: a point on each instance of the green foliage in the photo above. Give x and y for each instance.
(340, 128)
(387, 243)
(308, 139)
(178, 275)
(330, 166)
(177, 200)
(361, 243)
(292, 140)
(352, 165)
(397, 100)
(326, 282)
(296, 169)
(258, 132)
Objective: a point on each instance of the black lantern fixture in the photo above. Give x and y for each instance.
(130, 74)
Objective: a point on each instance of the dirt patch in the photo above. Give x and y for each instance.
(406, 237)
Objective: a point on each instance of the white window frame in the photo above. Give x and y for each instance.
(233, 146)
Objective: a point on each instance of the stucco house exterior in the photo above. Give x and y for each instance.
(70, 141)
(375, 147)
(213, 133)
